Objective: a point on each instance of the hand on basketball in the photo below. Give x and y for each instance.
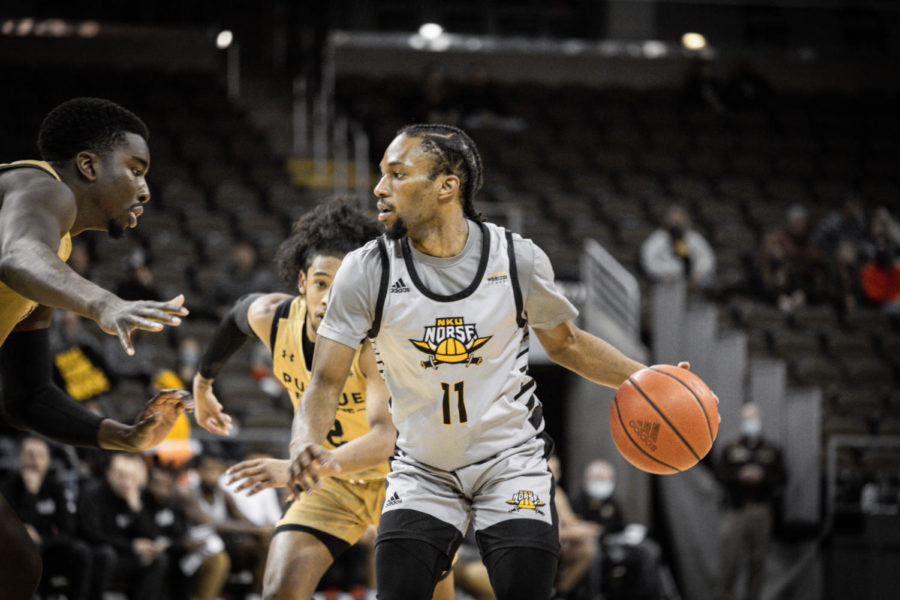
(258, 474)
(154, 423)
(120, 317)
(311, 465)
(209, 411)
(686, 365)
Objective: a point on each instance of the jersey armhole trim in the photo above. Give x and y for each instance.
(514, 276)
(280, 313)
(383, 287)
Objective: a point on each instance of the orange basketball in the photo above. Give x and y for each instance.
(664, 419)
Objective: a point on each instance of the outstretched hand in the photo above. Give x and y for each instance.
(312, 463)
(120, 317)
(258, 474)
(156, 420)
(209, 412)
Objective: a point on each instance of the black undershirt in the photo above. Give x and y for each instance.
(309, 347)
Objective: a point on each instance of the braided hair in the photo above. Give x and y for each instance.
(331, 229)
(92, 124)
(453, 153)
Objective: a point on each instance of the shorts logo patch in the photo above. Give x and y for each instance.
(526, 500)
(394, 499)
(450, 341)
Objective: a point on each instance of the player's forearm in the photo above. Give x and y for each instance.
(367, 451)
(32, 401)
(595, 359)
(32, 270)
(315, 415)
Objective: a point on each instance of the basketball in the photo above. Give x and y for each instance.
(664, 419)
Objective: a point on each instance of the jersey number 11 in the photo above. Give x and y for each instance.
(458, 387)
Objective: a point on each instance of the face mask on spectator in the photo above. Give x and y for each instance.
(751, 427)
(600, 489)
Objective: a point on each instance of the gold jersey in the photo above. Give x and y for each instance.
(289, 366)
(14, 308)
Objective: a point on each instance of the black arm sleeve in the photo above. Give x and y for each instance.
(228, 338)
(32, 401)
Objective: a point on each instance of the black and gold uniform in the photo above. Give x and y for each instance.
(14, 308)
(345, 504)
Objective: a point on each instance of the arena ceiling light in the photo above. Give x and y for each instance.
(224, 39)
(431, 31)
(693, 41)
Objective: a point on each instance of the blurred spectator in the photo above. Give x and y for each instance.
(79, 366)
(596, 502)
(247, 544)
(189, 351)
(115, 520)
(436, 100)
(630, 561)
(263, 508)
(791, 266)
(142, 366)
(839, 236)
(243, 274)
(139, 283)
(49, 517)
(881, 273)
(846, 224)
(675, 251)
(577, 537)
(200, 563)
(483, 105)
(703, 88)
(752, 473)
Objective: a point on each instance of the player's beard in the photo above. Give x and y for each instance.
(398, 230)
(115, 230)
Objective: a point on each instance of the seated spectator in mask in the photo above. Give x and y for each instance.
(115, 520)
(577, 537)
(199, 563)
(247, 544)
(630, 561)
(49, 517)
(677, 252)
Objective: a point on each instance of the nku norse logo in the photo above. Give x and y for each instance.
(450, 341)
(526, 500)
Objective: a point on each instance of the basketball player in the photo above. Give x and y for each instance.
(92, 176)
(446, 300)
(318, 527)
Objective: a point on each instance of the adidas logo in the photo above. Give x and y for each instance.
(399, 287)
(646, 431)
(394, 499)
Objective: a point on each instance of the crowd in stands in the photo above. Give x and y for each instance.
(849, 258)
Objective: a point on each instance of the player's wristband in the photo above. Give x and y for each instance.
(228, 338)
(33, 402)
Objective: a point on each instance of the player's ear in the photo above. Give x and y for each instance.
(301, 282)
(449, 186)
(87, 163)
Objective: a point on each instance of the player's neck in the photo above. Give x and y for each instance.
(443, 239)
(87, 216)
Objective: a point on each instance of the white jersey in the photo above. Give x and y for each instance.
(451, 339)
(456, 365)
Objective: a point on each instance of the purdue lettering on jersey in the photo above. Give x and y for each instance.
(457, 365)
(14, 308)
(289, 366)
